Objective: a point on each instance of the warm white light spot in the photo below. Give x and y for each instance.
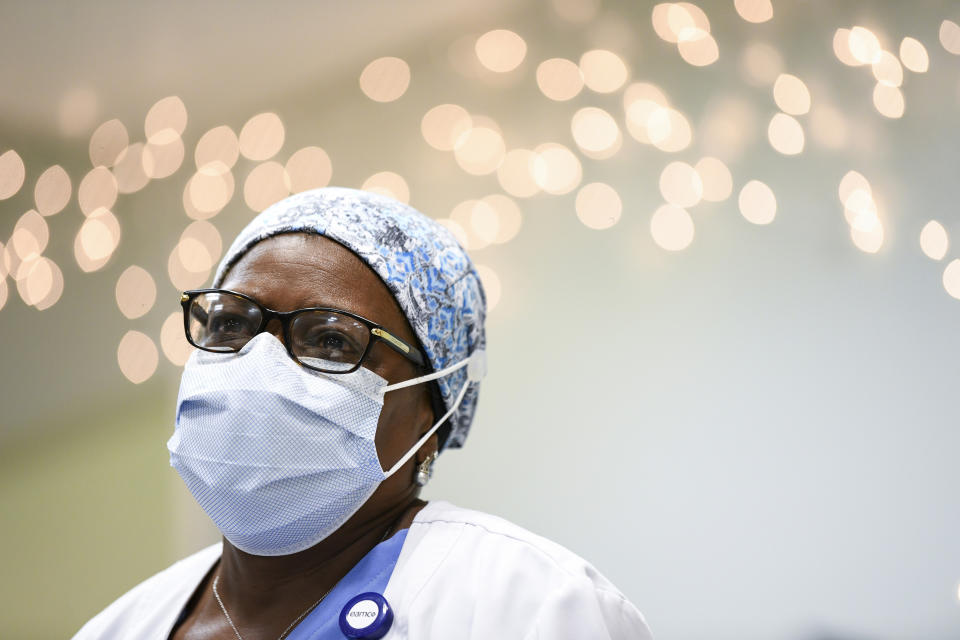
(165, 121)
(97, 240)
(757, 203)
(128, 169)
(208, 191)
(264, 186)
(515, 173)
(791, 94)
(197, 256)
(559, 79)
(136, 292)
(202, 257)
(173, 341)
(40, 282)
(867, 241)
(308, 168)
(385, 79)
(888, 100)
(716, 179)
(934, 241)
(491, 285)
(697, 47)
(596, 132)
(52, 192)
(668, 130)
(444, 125)
(221, 145)
(828, 126)
(389, 184)
(639, 113)
(598, 205)
(12, 174)
(4, 292)
(860, 211)
(479, 151)
(576, 11)
(672, 228)
(556, 169)
(754, 10)
(107, 143)
(500, 50)
(262, 136)
(887, 70)
(950, 36)
(761, 63)
(97, 189)
(785, 134)
(644, 91)
(137, 357)
(914, 56)
(78, 111)
(509, 217)
(951, 282)
(841, 48)
(162, 160)
(852, 182)
(864, 45)
(30, 235)
(681, 185)
(603, 71)
(670, 19)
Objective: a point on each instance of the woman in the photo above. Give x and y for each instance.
(339, 352)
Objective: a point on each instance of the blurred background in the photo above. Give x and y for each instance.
(715, 239)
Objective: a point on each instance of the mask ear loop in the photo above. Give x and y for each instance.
(476, 369)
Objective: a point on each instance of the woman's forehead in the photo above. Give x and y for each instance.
(296, 270)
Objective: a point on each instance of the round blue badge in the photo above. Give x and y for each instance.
(367, 615)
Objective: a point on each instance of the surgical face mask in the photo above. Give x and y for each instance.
(280, 456)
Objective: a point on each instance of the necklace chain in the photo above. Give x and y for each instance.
(223, 608)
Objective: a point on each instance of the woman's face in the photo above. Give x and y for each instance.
(296, 270)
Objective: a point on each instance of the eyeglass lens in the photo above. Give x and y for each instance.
(323, 340)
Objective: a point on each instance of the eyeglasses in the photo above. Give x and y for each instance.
(327, 340)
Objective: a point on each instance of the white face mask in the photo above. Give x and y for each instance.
(280, 456)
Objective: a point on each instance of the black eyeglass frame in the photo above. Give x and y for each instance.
(377, 331)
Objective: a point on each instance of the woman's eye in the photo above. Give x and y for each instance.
(331, 342)
(228, 325)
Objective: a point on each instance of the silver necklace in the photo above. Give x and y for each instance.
(216, 594)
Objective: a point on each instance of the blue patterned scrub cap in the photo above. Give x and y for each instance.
(420, 261)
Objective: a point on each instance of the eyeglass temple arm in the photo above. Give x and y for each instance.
(400, 346)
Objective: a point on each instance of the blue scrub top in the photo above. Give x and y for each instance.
(370, 574)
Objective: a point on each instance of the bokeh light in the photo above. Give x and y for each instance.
(107, 143)
(951, 282)
(841, 48)
(716, 179)
(791, 94)
(308, 168)
(39, 282)
(596, 132)
(556, 169)
(598, 205)
(136, 292)
(868, 241)
(265, 185)
(950, 36)
(137, 356)
(888, 100)
(97, 239)
(384, 80)
(559, 79)
(30, 235)
(479, 151)
(97, 189)
(672, 19)
(389, 184)
(515, 173)
(500, 50)
(128, 169)
(887, 70)
(218, 145)
(208, 191)
(173, 341)
(200, 246)
(53, 190)
(165, 121)
(755, 11)
(162, 155)
(12, 174)
(697, 47)
(785, 134)
(261, 137)
(4, 292)
(198, 256)
(603, 71)
(864, 45)
(672, 228)
(757, 202)
(681, 185)
(914, 56)
(444, 126)
(669, 130)
(934, 241)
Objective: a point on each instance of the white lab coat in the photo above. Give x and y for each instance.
(461, 575)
